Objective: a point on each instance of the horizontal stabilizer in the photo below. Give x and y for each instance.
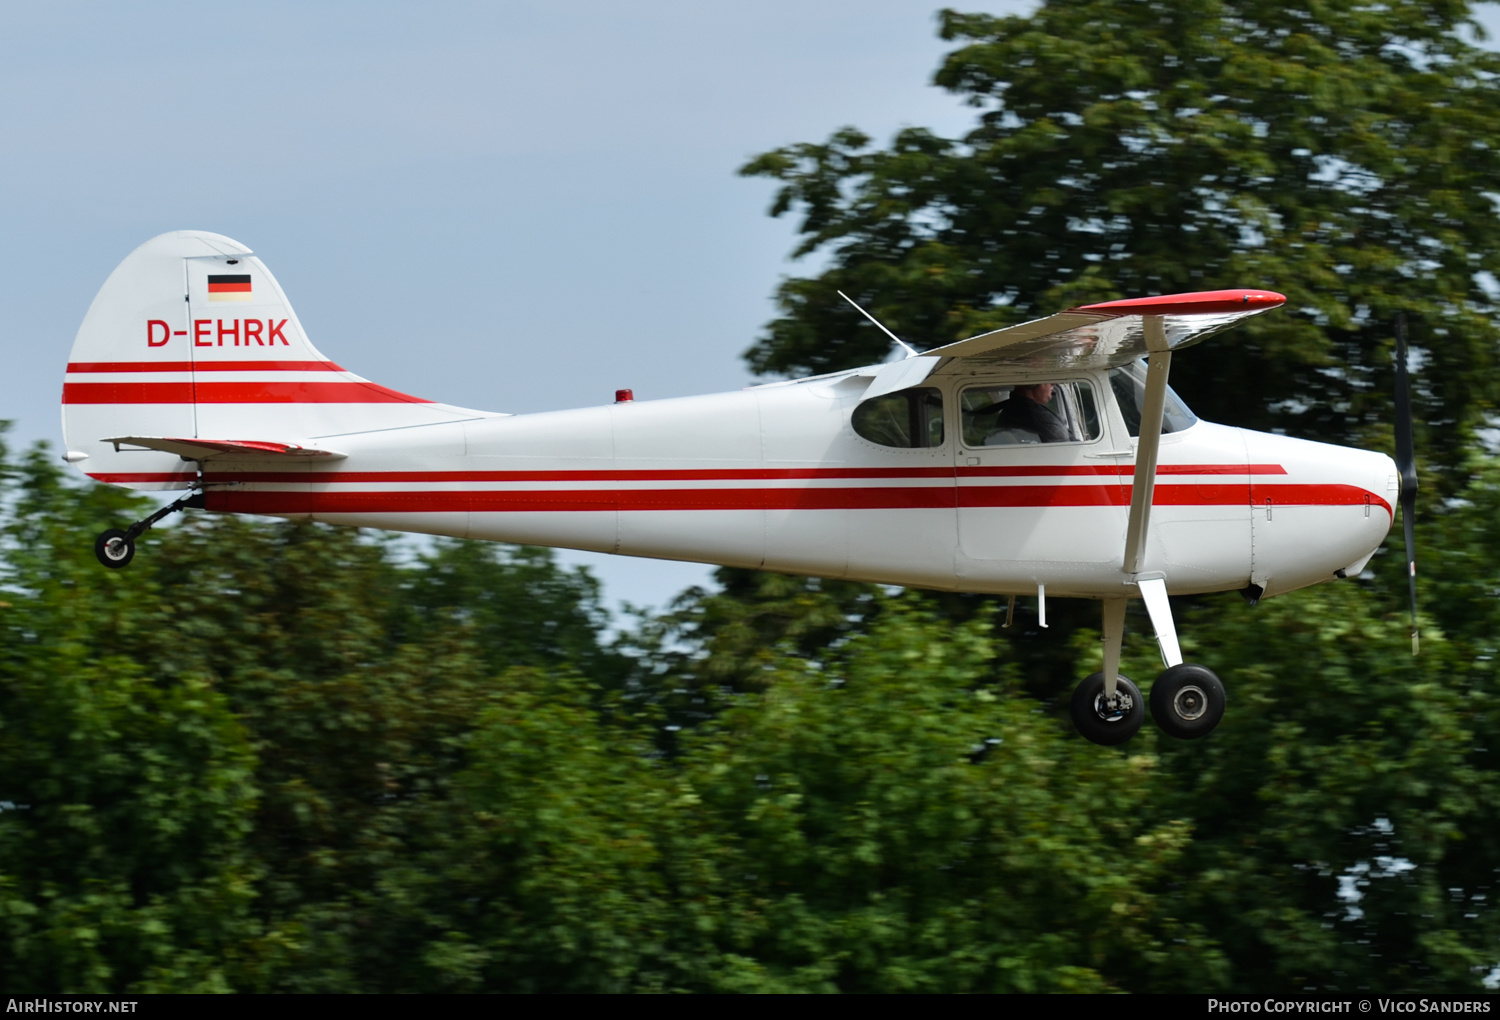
(210, 449)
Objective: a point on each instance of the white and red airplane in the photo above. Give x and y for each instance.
(1041, 459)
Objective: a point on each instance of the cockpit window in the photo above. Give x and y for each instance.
(1063, 412)
(1129, 384)
(907, 418)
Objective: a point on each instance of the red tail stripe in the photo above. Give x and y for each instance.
(234, 393)
(203, 366)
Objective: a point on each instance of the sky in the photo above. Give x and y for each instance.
(514, 205)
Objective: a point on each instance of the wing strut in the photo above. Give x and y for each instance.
(1148, 443)
(1153, 586)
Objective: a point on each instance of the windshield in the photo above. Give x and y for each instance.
(1129, 384)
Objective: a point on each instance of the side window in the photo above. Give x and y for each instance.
(908, 418)
(1064, 412)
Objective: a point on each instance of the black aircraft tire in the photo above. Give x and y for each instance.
(117, 555)
(1097, 722)
(1187, 701)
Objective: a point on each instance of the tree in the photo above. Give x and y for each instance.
(126, 791)
(903, 822)
(877, 816)
(210, 761)
(1342, 153)
(1341, 812)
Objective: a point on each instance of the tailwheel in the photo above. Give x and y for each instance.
(114, 548)
(1107, 721)
(1187, 701)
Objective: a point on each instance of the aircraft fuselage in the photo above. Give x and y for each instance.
(774, 477)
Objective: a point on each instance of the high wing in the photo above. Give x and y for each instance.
(1105, 335)
(1113, 333)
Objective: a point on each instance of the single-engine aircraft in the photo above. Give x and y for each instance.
(1045, 459)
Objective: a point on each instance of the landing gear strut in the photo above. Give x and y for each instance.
(115, 548)
(1187, 701)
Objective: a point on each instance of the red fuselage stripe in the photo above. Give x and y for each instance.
(233, 393)
(801, 498)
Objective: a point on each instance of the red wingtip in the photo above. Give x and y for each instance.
(1199, 303)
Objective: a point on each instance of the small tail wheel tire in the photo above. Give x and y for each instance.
(1107, 722)
(114, 549)
(1187, 701)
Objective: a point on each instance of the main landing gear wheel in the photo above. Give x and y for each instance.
(1187, 701)
(114, 548)
(1108, 722)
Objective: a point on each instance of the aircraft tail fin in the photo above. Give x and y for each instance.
(192, 337)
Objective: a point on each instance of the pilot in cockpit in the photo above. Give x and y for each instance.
(1026, 409)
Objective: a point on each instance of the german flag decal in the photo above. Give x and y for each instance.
(229, 287)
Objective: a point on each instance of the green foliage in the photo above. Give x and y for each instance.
(901, 826)
(873, 821)
(1341, 153)
(221, 749)
(126, 793)
(1345, 769)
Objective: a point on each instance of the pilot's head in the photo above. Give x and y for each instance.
(1041, 393)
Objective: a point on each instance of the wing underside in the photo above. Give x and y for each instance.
(1094, 337)
(1111, 334)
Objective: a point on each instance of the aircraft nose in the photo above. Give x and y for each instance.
(1319, 511)
(1376, 479)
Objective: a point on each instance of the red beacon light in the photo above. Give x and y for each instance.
(621, 396)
